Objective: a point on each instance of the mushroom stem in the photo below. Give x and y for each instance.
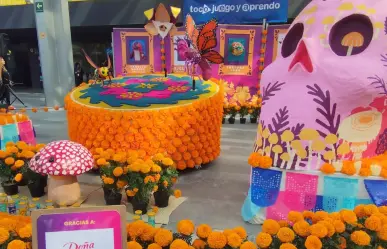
(318, 161)
(64, 190)
(283, 164)
(275, 158)
(310, 152)
(349, 51)
(290, 162)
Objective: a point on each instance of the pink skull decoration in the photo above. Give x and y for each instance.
(325, 97)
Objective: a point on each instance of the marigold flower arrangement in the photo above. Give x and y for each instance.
(14, 161)
(15, 231)
(257, 160)
(168, 177)
(365, 227)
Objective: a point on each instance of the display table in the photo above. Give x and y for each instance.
(274, 193)
(149, 114)
(16, 127)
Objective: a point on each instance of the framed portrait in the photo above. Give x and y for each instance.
(236, 46)
(279, 36)
(137, 53)
(178, 63)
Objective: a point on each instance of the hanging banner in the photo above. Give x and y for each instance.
(237, 12)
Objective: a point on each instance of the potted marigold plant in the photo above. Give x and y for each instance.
(143, 176)
(243, 111)
(112, 168)
(168, 178)
(13, 159)
(232, 111)
(254, 112)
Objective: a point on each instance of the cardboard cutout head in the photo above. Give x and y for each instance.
(325, 96)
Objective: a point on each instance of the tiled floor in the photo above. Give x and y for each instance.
(215, 193)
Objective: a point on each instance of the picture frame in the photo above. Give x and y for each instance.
(279, 36)
(137, 53)
(177, 64)
(236, 47)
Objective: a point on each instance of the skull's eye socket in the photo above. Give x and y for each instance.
(292, 38)
(351, 35)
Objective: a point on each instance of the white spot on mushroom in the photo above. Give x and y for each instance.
(78, 171)
(56, 172)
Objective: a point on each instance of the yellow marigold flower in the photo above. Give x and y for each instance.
(155, 188)
(18, 177)
(154, 246)
(308, 215)
(19, 163)
(360, 238)
(264, 240)
(302, 228)
(133, 245)
(167, 161)
(101, 162)
(318, 230)
(248, 245)
(177, 193)
(158, 157)
(313, 242)
(203, 231)
(370, 209)
(382, 234)
(359, 211)
(285, 235)
(4, 235)
(163, 237)
(185, 227)
(156, 168)
(373, 223)
(283, 223)
(118, 171)
(216, 240)
(270, 226)
(339, 226)
(294, 216)
(179, 244)
(9, 161)
(108, 180)
(348, 217)
(145, 169)
(287, 246)
(199, 244)
(241, 232)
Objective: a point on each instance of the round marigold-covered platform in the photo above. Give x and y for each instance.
(149, 114)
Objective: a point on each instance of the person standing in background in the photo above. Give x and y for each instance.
(78, 73)
(5, 81)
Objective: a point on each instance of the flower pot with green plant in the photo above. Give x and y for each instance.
(112, 168)
(243, 111)
(143, 177)
(232, 111)
(254, 112)
(168, 177)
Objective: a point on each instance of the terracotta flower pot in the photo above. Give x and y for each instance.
(161, 198)
(10, 188)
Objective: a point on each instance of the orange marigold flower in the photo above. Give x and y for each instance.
(348, 168)
(370, 209)
(318, 230)
(263, 240)
(199, 244)
(241, 232)
(203, 231)
(339, 226)
(319, 216)
(266, 162)
(177, 193)
(349, 217)
(283, 223)
(154, 246)
(287, 246)
(17, 244)
(328, 168)
(255, 159)
(234, 240)
(248, 245)
(179, 244)
(329, 226)
(302, 228)
(285, 235)
(101, 162)
(9, 161)
(133, 245)
(313, 242)
(360, 238)
(294, 216)
(343, 243)
(365, 172)
(383, 210)
(18, 177)
(382, 234)
(118, 171)
(308, 215)
(108, 180)
(373, 223)
(185, 227)
(4, 235)
(270, 226)
(216, 240)
(19, 163)
(163, 237)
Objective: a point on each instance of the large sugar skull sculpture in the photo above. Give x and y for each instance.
(324, 97)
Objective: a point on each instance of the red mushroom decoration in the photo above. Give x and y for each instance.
(63, 161)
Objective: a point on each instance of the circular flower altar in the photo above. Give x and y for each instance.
(150, 114)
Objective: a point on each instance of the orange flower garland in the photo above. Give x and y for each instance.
(189, 134)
